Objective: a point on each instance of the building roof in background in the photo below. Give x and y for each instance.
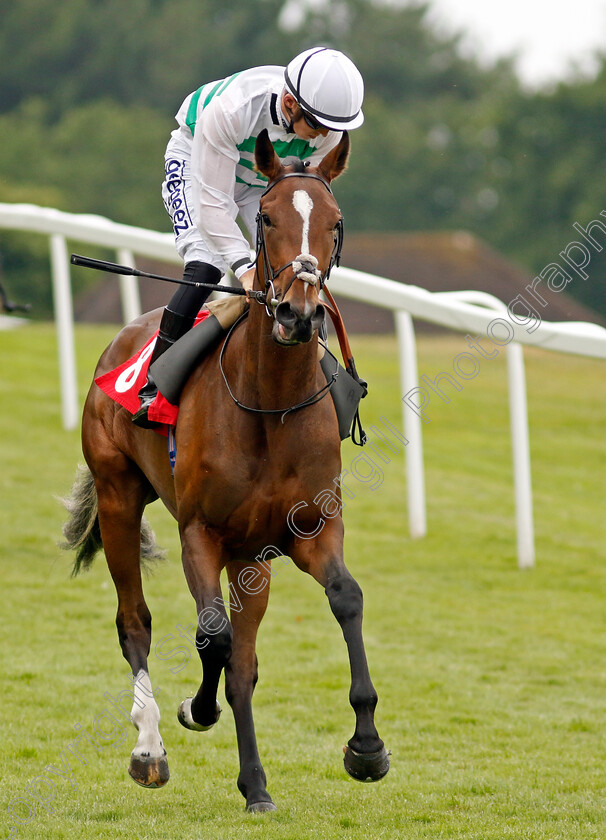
(444, 262)
(438, 262)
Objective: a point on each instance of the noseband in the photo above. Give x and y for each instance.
(270, 305)
(269, 273)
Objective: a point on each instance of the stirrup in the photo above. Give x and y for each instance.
(140, 417)
(147, 395)
(172, 326)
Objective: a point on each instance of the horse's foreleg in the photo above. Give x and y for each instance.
(249, 588)
(202, 564)
(120, 511)
(366, 758)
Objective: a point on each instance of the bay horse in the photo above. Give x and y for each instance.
(249, 475)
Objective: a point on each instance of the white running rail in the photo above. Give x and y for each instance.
(469, 312)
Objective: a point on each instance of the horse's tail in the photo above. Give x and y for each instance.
(81, 531)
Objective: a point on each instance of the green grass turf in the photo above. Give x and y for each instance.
(491, 680)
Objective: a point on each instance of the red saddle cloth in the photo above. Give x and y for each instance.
(123, 383)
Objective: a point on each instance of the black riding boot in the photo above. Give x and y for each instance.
(172, 327)
(177, 319)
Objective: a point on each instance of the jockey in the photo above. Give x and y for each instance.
(209, 168)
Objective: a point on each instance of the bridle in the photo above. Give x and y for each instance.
(269, 273)
(283, 412)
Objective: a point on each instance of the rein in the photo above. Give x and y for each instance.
(269, 273)
(311, 400)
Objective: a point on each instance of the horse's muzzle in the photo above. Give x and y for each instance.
(294, 327)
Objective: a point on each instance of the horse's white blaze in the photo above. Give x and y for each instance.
(145, 715)
(303, 204)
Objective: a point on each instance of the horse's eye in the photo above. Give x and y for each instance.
(266, 220)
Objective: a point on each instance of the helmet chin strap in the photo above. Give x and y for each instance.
(289, 126)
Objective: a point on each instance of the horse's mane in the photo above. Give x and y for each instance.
(295, 164)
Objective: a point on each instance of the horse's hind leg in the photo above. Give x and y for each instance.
(121, 493)
(249, 593)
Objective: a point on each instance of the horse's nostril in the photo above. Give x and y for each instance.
(298, 325)
(285, 315)
(317, 319)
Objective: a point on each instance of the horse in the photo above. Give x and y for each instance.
(257, 467)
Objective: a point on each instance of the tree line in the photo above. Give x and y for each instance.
(89, 89)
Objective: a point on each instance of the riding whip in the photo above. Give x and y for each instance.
(114, 268)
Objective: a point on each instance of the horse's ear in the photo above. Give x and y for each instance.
(335, 162)
(266, 159)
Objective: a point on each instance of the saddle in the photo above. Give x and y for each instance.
(172, 370)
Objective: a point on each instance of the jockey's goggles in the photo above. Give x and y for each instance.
(312, 121)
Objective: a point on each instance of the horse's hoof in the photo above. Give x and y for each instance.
(261, 807)
(366, 767)
(185, 718)
(149, 772)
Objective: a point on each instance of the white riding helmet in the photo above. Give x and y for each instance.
(329, 86)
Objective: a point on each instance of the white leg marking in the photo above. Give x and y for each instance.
(145, 715)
